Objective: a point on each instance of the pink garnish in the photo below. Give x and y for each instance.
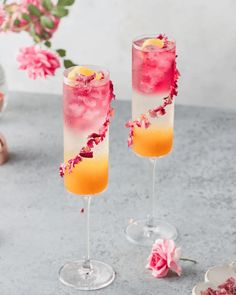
(164, 38)
(164, 257)
(93, 140)
(227, 288)
(70, 165)
(38, 62)
(143, 121)
(85, 79)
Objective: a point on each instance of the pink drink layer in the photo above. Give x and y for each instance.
(86, 104)
(153, 68)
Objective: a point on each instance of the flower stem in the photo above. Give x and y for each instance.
(188, 259)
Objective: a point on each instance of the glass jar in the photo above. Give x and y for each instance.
(3, 90)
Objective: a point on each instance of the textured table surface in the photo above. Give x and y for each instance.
(40, 224)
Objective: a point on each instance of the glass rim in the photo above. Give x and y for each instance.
(151, 36)
(89, 66)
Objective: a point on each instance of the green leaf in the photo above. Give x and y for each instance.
(47, 4)
(48, 44)
(17, 22)
(47, 22)
(68, 63)
(60, 11)
(61, 52)
(26, 17)
(33, 10)
(65, 2)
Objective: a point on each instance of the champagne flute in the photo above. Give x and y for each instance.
(87, 95)
(154, 83)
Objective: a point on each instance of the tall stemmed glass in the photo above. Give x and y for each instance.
(154, 82)
(87, 95)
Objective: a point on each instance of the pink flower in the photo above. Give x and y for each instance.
(40, 30)
(2, 15)
(36, 3)
(56, 21)
(38, 62)
(13, 20)
(164, 257)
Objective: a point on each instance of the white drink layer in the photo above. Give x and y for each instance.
(142, 103)
(74, 141)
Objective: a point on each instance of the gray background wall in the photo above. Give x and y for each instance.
(100, 32)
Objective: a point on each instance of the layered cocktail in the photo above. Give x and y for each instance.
(154, 82)
(153, 74)
(86, 105)
(88, 92)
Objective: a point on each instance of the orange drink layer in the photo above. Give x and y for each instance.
(152, 142)
(89, 177)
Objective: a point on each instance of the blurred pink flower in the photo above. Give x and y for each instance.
(56, 21)
(34, 2)
(164, 257)
(38, 62)
(13, 20)
(39, 29)
(2, 15)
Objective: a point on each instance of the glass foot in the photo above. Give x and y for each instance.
(73, 274)
(138, 232)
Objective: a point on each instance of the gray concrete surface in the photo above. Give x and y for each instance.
(40, 224)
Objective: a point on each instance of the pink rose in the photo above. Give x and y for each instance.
(38, 62)
(56, 22)
(39, 29)
(36, 3)
(13, 20)
(164, 257)
(2, 15)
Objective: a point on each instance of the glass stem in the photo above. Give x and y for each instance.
(151, 215)
(87, 263)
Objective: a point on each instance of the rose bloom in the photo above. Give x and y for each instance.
(38, 62)
(164, 257)
(2, 15)
(14, 13)
(39, 29)
(36, 3)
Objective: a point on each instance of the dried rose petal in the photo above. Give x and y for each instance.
(85, 154)
(227, 288)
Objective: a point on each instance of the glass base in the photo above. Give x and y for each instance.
(73, 274)
(140, 233)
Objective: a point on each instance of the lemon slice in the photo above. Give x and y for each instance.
(79, 70)
(153, 42)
